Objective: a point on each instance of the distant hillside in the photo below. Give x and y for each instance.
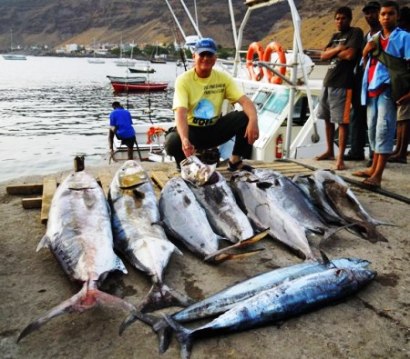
(55, 22)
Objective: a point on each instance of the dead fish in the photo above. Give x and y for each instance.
(79, 235)
(195, 171)
(139, 235)
(322, 176)
(289, 299)
(265, 213)
(315, 193)
(227, 298)
(224, 214)
(337, 195)
(286, 193)
(186, 220)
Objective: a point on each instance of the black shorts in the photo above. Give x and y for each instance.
(129, 142)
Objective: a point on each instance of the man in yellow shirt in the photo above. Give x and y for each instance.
(199, 94)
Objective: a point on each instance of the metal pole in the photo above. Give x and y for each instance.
(176, 20)
(191, 19)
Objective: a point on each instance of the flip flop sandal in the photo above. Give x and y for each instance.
(371, 185)
(361, 174)
(239, 166)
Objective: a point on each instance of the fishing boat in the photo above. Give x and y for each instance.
(138, 86)
(157, 58)
(127, 79)
(281, 85)
(94, 59)
(124, 62)
(141, 69)
(12, 56)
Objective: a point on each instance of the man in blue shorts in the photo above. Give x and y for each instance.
(343, 51)
(378, 90)
(121, 127)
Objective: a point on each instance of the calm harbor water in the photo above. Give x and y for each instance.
(53, 108)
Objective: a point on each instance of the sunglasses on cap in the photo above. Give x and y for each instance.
(206, 54)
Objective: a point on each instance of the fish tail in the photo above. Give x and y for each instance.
(159, 325)
(161, 296)
(88, 297)
(184, 336)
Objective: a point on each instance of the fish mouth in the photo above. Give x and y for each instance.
(195, 171)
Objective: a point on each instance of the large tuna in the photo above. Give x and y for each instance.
(139, 235)
(265, 213)
(286, 300)
(79, 235)
(286, 193)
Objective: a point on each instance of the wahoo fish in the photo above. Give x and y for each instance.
(287, 194)
(79, 235)
(286, 300)
(138, 233)
(265, 213)
(229, 297)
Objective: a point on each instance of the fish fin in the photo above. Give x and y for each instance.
(222, 257)
(183, 336)
(325, 260)
(159, 326)
(88, 297)
(161, 296)
(44, 243)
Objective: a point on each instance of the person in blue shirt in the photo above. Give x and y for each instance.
(121, 127)
(377, 91)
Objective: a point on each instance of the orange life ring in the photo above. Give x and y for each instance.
(153, 133)
(254, 48)
(274, 47)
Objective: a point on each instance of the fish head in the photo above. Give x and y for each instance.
(363, 275)
(80, 180)
(195, 171)
(244, 176)
(131, 174)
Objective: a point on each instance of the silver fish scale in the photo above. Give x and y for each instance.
(224, 214)
(137, 233)
(266, 213)
(186, 219)
(79, 229)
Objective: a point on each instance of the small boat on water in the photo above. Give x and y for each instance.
(14, 57)
(95, 60)
(138, 87)
(142, 69)
(127, 80)
(158, 60)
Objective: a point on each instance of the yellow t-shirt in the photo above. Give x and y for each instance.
(203, 97)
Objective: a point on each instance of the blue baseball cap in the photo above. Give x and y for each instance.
(205, 45)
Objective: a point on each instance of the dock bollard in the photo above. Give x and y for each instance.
(79, 163)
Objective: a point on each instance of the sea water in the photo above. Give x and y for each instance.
(53, 108)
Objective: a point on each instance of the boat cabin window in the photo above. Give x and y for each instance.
(260, 99)
(301, 110)
(277, 101)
